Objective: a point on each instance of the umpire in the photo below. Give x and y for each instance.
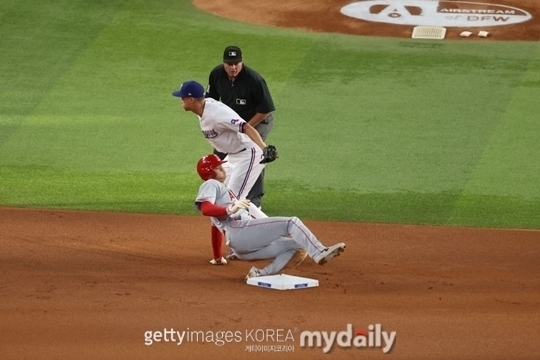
(245, 91)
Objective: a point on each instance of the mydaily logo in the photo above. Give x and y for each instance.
(374, 337)
(435, 13)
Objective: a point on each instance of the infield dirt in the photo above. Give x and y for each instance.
(87, 285)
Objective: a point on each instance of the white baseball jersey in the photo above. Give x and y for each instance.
(222, 127)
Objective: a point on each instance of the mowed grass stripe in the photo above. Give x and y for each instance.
(39, 42)
(504, 188)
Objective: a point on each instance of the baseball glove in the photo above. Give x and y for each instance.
(269, 154)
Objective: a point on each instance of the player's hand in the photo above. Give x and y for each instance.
(269, 154)
(220, 261)
(237, 205)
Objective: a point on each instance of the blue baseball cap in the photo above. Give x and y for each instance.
(190, 89)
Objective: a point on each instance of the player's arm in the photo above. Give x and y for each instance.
(212, 89)
(257, 118)
(253, 135)
(263, 101)
(210, 209)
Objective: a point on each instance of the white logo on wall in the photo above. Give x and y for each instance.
(435, 13)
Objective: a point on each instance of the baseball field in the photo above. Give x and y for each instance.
(422, 155)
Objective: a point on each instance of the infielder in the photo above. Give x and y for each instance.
(284, 239)
(228, 133)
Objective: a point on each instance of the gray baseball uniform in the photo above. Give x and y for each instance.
(277, 238)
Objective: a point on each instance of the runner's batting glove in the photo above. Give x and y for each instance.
(237, 205)
(220, 261)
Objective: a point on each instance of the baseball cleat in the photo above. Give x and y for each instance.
(253, 272)
(220, 261)
(329, 253)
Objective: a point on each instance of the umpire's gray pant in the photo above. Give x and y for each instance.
(257, 191)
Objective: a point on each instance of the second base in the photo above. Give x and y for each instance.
(282, 282)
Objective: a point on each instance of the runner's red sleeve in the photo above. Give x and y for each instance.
(209, 209)
(217, 240)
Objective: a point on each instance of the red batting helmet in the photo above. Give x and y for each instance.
(207, 164)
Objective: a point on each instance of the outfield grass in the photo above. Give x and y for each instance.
(368, 129)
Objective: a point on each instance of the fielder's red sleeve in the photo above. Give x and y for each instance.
(209, 209)
(217, 240)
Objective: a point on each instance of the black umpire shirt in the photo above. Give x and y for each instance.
(248, 94)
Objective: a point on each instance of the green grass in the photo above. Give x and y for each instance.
(368, 129)
(91, 190)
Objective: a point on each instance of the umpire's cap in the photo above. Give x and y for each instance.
(232, 54)
(207, 164)
(190, 88)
